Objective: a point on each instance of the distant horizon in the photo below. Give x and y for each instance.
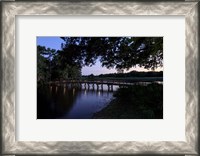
(123, 72)
(54, 42)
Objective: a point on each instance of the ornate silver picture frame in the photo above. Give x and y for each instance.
(11, 9)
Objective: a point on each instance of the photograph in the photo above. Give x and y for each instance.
(99, 77)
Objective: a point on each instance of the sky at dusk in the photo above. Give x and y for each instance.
(55, 43)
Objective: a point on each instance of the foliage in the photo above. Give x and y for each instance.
(51, 66)
(43, 68)
(135, 102)
(115, 52)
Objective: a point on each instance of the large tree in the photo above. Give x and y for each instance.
(53, 65)
(44, 57)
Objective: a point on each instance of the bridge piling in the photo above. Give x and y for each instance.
(93, 86)
(101, 86)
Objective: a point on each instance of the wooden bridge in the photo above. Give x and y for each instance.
(99, 83)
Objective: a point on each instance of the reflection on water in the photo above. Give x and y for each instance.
(72, 102)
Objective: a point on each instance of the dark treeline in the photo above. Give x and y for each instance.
(131, 74)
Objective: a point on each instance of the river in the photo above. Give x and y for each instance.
(61, 102)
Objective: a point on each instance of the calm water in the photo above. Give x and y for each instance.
(61, 102)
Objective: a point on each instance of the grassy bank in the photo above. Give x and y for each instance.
(135, 102)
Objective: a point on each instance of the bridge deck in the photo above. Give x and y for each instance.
(106, 82)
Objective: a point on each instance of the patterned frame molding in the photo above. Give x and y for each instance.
(11, 9)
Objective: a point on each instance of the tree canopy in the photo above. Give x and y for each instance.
(113, 52)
